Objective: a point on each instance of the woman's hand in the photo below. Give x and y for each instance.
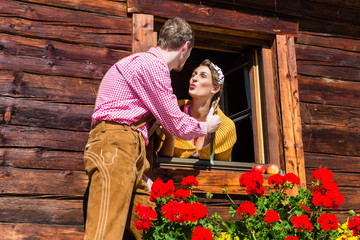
(212, 121)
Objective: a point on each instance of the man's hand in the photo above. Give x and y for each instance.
(212, 121)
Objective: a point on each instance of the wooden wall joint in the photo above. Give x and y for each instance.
(290, 107)
(142, 33)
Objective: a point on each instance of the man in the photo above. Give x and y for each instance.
(114, 158)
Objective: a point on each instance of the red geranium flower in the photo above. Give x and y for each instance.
(161, 189)
(322, 173)
(182, 193)
(302, 223)
(354, 225)
(253, 182)
(291, 238)
(328, 221)
(189, 181)
(193, 211)
(201, 233)
(172, 211)
(329, 185)
(276, 179)
(246, 208)
(292, 178)
(147, 215)
(271, 216)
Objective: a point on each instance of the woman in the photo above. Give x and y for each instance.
(205, 89)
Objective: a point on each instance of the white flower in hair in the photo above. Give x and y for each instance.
(220, 73)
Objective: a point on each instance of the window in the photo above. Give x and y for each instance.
(267, 59)
(244, 97)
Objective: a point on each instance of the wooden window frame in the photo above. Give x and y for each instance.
(278, 60)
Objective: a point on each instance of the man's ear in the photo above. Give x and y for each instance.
(185, 47)
(215, 89)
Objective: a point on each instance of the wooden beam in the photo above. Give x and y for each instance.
(142, 33)
(290, 108)
(256, 110)
(273, 130)
(213, 16)
(10, 231)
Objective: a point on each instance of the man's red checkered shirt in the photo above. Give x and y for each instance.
(140, 84)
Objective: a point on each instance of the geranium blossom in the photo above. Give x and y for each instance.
(172, 211)
(322, 173)
(292, 178)
(271, 216)
(291, 238)
(201, 233)
(253, 182)
(193, 211)
(354, 225)
(328, 221)
(147, 215)
(189, 181)
(276, 179)
(301, 223)
(246, 208)
(161, 189)
(182, 193)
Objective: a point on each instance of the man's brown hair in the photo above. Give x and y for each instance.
(174, 33)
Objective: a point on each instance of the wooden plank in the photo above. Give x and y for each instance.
(331, 140)
(316, 69)
(42, 211)
(38, 158)
(142, 33)
(116, 8)
(56, 183)
(352, 4)
(328, 41)
(329, 115)
(327, 56)
(65, 17)
(350, 30)
(51, 49)
(256, 110)
(290, 108)
(329, 91)
(337, 163)
(52, 66)
(11, 231)
(48, 88)
(46, 114)
(273, 129)
(213, 16)
(308, 9)
(112, 38)
(20, 136)
(212, 181)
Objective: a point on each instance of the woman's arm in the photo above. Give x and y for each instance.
(167, 149)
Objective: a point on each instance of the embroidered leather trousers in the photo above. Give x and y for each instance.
(115, 160)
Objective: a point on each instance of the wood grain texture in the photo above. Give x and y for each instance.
(12, 231)
(55, 139)
(290, 107)
(214, 16)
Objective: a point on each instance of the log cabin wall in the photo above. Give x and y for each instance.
(53, 55)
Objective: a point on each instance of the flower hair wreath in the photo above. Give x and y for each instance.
(220, 73)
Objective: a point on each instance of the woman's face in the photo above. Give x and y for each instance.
(201, 83)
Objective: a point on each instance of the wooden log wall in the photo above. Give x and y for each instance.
(53, 54)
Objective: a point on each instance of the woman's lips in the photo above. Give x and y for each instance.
(192, 86)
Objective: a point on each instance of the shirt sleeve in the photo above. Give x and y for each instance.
(152, 83)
